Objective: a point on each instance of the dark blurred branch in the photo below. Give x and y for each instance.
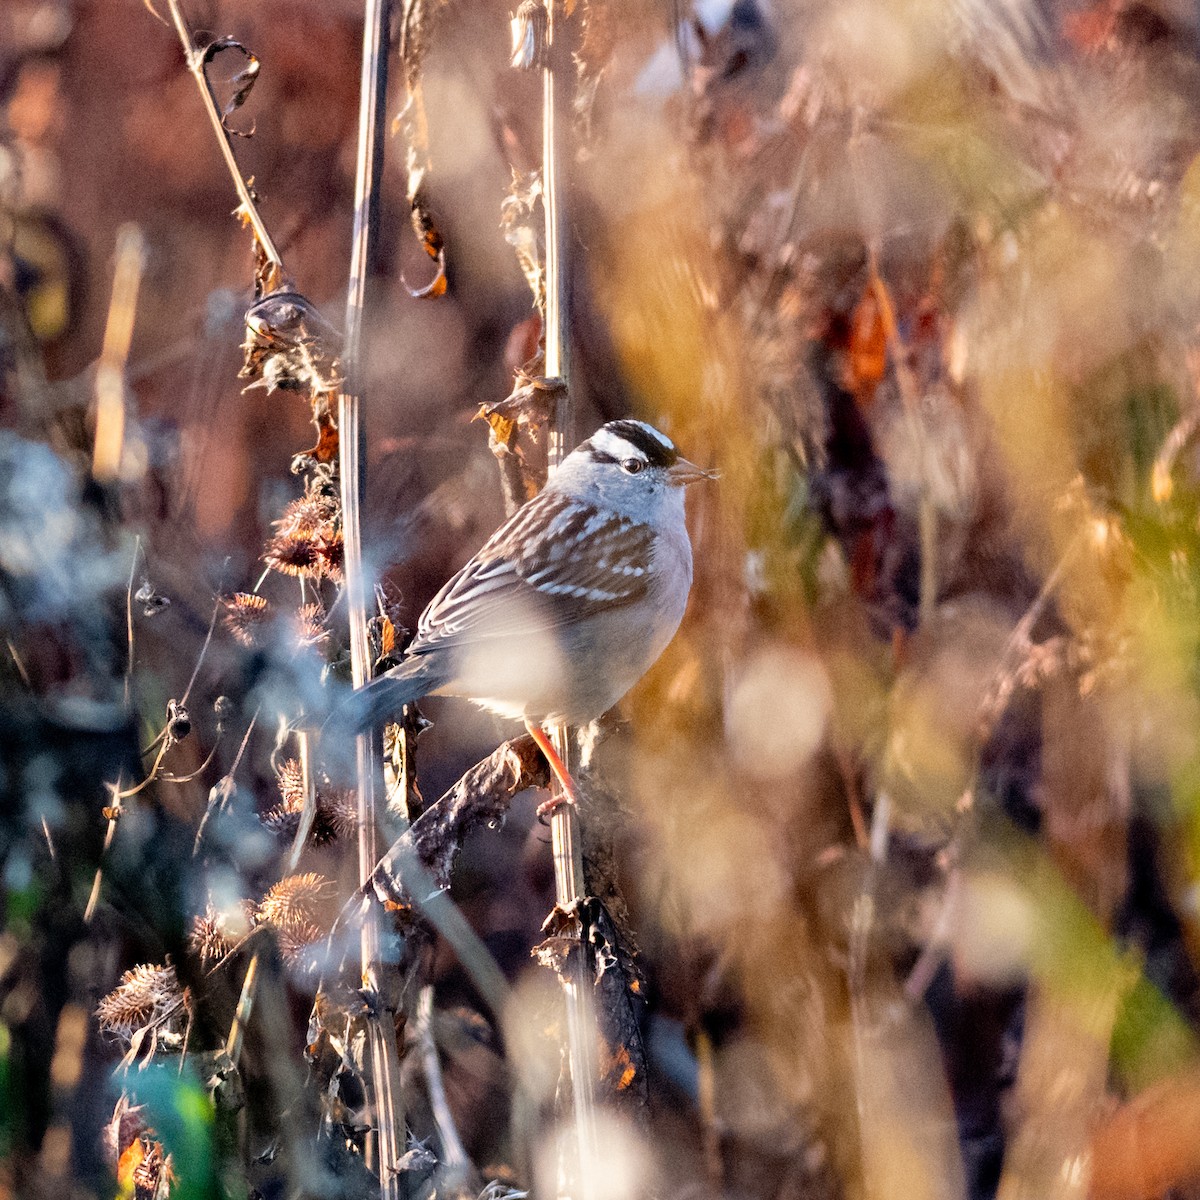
(400, 879)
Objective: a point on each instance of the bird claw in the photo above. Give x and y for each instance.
(549, 807)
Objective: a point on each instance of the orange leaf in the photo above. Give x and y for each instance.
(127, 1165)
(868, 346)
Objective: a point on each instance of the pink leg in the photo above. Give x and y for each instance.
(557, 768)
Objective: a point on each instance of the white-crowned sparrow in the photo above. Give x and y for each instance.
(570, 601)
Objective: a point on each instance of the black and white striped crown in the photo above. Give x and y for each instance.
(620, 440)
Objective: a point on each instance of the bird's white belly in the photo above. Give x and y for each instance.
(574, 674)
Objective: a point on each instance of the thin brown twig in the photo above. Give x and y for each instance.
(137, 547)
(241, 1017)
(212, 624)
(195, 64)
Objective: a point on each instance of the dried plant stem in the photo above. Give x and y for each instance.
(241, 1018)
(309, 813)
(706, 1083)
(109, 441)
(564, 824)
(421, 889)
(455, 1160)
(137, 549)
(195, 64)
(385, 1062)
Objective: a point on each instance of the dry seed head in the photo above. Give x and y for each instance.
(179, 722)
(337, 809)
(245, 614)
(295, 552)
(297, 902)
(212, 937)
(207, 940)
(295, 940)
(290, 779)
(281, 820)
(144, 994)
(310, 514)
(310, 627)
(332, 551)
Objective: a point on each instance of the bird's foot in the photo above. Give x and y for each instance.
(569, 793)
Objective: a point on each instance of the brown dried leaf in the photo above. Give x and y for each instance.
(530, 32)
(290, 346)
(415, 33)
(240, 82)
(326, 449)
(524, 230)
(481, 797)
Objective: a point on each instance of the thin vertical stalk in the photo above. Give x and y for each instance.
(455, 1160)
(385, 1062)
(241, 1018)
(109, 442)
(565, 832)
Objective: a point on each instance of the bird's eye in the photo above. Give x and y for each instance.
(632, 465)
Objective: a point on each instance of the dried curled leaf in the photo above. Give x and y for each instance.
(431, 239)
(530, 33)
(597, 42)
(268, 270)
(524, 230)
(415, 33)
(290, 346)
(239, 83)
(324, 453)
(481, 797)
(528, 408)
(617, 983)
(531, 405)
(146, 995)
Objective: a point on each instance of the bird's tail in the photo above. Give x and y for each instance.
(369, 706)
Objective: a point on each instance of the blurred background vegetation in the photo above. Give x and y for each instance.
(899, 844)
